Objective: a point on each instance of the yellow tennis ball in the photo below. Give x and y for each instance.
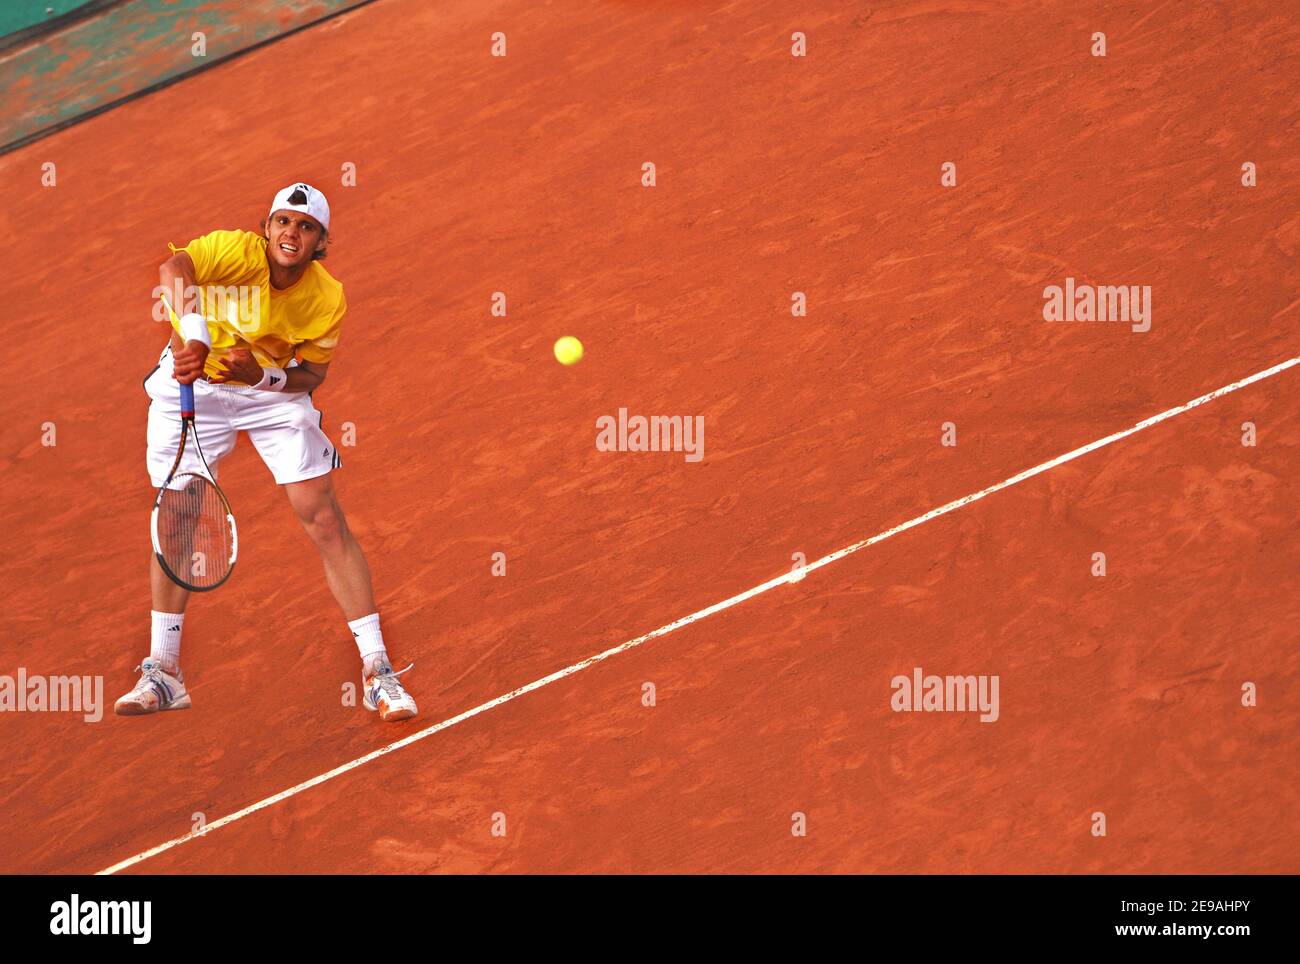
(568, 350)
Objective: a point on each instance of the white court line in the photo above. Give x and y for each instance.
(697, 616)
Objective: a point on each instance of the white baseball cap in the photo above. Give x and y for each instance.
(304, 198)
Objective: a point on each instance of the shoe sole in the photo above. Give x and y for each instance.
(136, 709)
(389, 716)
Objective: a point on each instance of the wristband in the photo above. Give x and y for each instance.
(194, 327)
(273, 380)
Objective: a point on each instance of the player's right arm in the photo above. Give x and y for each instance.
(188, 357)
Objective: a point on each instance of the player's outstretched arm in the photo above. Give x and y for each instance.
(178, 266)
(187, 358)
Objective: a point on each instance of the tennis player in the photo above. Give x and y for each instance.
(253, 370)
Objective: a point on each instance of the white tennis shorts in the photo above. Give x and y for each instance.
(285, 427)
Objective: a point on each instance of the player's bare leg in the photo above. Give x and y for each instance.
(167, 596)
(348, 575)
(346, 569)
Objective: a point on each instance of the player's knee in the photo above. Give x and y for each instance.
(325, 524)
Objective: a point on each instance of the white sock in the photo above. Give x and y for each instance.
(165, 639)
(370, 641)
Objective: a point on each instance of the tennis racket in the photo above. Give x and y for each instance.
(193, 529)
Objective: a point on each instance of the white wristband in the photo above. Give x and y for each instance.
(273, 380)
(194, 327)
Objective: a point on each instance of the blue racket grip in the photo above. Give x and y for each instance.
(187, 401)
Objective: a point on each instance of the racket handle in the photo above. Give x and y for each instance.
(187, 401)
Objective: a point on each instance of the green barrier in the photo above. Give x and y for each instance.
(115, 54)
(16, 15)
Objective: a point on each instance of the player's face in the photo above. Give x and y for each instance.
(293, 238)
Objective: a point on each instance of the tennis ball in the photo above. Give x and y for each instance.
(568, 350)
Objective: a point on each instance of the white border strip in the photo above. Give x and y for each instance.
(794, 575)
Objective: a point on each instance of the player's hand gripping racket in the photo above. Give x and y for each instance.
(192, 526)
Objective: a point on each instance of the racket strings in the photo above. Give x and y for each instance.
(195, 537)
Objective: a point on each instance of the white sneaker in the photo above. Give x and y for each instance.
(155, 691)
(383, 691)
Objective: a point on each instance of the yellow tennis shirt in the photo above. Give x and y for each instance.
(244, 311)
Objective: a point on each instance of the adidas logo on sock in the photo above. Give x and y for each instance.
(174, 629)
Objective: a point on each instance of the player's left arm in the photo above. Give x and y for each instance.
(314, 357)
(306, 375)
(240, 366)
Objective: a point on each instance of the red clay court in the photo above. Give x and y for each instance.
(1120, 694)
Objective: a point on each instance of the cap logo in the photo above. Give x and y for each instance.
(301, 196)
